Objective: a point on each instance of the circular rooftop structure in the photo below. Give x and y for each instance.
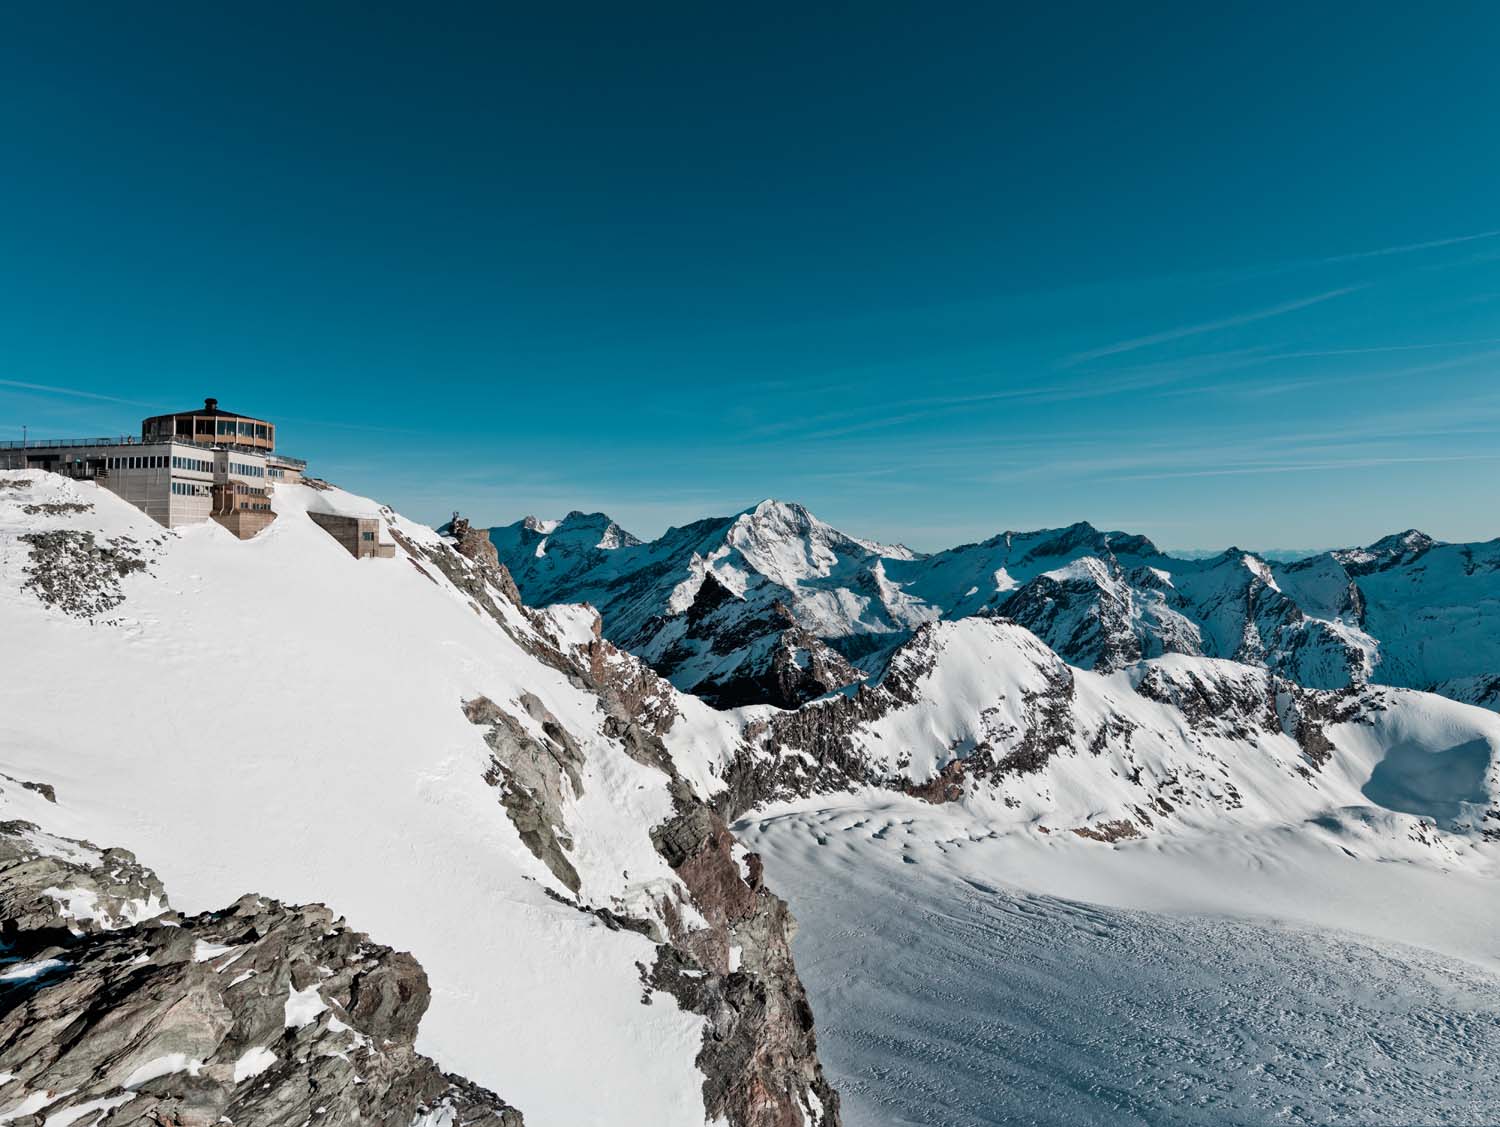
(209, 425)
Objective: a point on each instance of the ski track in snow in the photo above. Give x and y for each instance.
(947, 999)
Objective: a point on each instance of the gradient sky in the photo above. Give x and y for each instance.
(1215, 273)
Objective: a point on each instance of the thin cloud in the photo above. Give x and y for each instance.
(1205, 327)
(49, 389)
(1406, 248)
(1299, 467)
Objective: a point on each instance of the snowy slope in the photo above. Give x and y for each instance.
(274, 715)
(965, 980)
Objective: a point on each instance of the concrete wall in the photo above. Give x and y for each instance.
(359, 536)
(244, 523)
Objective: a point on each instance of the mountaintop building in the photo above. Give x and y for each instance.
(185, 468)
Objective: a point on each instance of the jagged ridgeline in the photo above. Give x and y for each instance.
(774, 606)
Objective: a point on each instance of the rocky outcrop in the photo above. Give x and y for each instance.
(77, 574)
(74, 887)
(474, 543)
(262, 1015)
(768, 658)
(759, 1055)
(529, 768)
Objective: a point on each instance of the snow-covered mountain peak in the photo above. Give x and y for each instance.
(1100, 598)
(1412, 540)
(596, 527)
(1081, 537)
(1388, 551)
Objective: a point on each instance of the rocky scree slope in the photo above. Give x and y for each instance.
(488, 785)
(114, 1010)
(774, 606)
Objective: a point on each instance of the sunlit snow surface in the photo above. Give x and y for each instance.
(1267, 984)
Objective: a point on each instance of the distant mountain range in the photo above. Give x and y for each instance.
(772, 605)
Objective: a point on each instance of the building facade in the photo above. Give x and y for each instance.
(185, 468)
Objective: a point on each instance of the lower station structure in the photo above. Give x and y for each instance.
(193, 466)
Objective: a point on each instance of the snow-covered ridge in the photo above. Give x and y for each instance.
(276, 715)
(1406, 611)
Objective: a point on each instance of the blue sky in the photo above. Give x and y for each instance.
(1215, 273)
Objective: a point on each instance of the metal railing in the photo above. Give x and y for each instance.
(131, 440)
(54, 443)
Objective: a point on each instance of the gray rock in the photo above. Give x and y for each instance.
(261, 1015)
(71, 571)
(529, 772)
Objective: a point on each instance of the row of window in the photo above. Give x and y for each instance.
(185, 427)
(247, 470)
(139, 462)
(248, 490)
(189, 489)
(160, 462)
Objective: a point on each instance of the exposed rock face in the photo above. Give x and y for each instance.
(768, 657)
(52, 882)
(529, 770)
(73, 572)
(474, 544)
(262, 1015)
(759, 1055)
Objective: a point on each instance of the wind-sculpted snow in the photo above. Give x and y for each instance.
(1258, 983)
(1406, 611)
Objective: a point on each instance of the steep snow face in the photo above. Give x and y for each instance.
(1436, 612)
(276, 715)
